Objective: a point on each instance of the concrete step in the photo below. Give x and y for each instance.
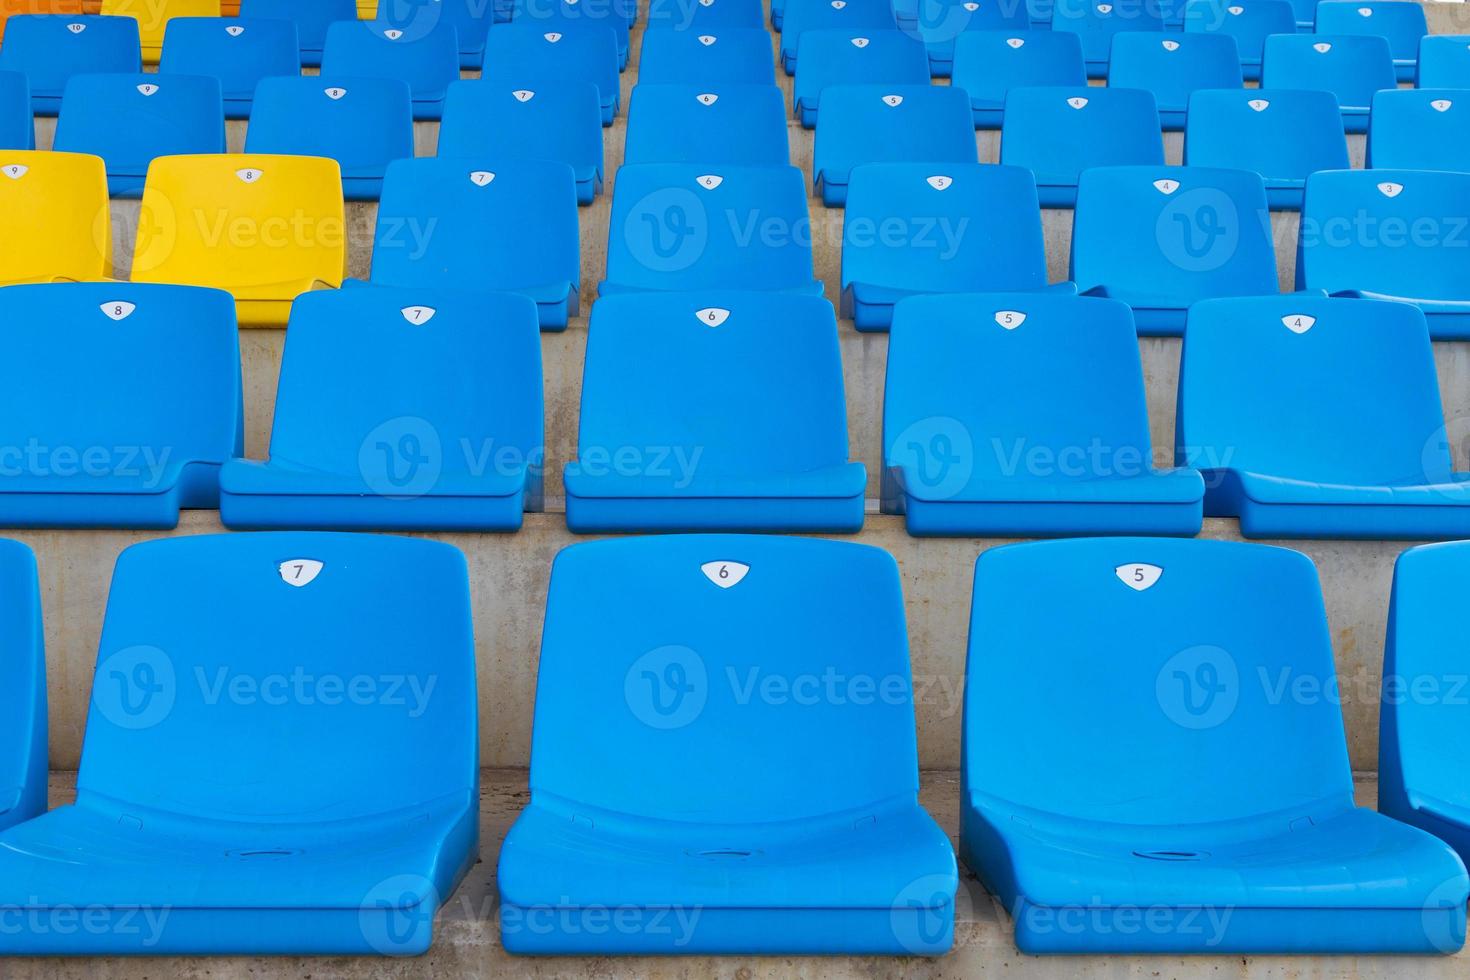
(467, 936)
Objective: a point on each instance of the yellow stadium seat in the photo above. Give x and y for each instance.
(266, 228)
(9, 8)
(153, 16)
(367, 9)
(55, 223)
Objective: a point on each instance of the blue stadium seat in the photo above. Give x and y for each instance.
(1306, 15)
(1421, 723)
(362, 123)
(574, 16)
(455, 224)
(843, 57)
(1420, 129)
(1283, 135)
(704, 16)
(1401, 22)
(1160, 238)
(1342, 372)
(1173, 66)
(909, 229)
(50, 48)
(311, 17)
(1351, 67)
(222, 658)
(1412, 249)
(735, 124)
(400, 409)
(1059, 132)
(889, 124)
(471, 20)
(17, 127)
(725, 56)
(940, 22)
(1444, 61)
(1096, 21)
(428, 62)
(737, 399)
(820, 847)
(127, 120)
(23, 761)
(86, 444)
(559, 121)
(975, 445)
(988, 64)
(523, 56)
(856, 16)
(680, 227)
(238, 52)
(1161, 790)
(1249, 22)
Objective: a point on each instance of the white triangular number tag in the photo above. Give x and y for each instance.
(712, 316)
(481, 177)
(15, 171)
(1010, 319)
(892, 101)
(707, 98)
(1258, 104)
(147, 89)
(299, 571)
(335, 93)
(1298, 323)
(393, 34)
(248, 175)
(707, 39)
(725, 574)
(418, 315)
(1321, 47)
(553, 37)
(1171, 45)
(1104, 8)
(523, 95)
(1138, 577)
(1365, 11)
(1441, 105)
(76, 28)
(709, 181)
(860, 42)
(971, 7)
(838, 4)
(1015, 42)
(234, 30)
(1235, 11)
(118, 310)
(1166, 186)
(706, 3)
(939, 182)
(1076, 102)
(1389, 189)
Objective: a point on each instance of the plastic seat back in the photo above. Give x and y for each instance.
(153, 17)
(892, 124)
(735, 124)
(972, 228)
(1444, 61)
(705, 15)
(1096, 21)
(988, 64)
(681, 227)
(362, 123)
(1351, 67)
(1058, 132)
(311, 19)
(459, 224)
(204, 633)
(471, 20)
(1190, 232)
(1281, 134)
(467, 365)
(128, 120)
(1145, 657)
(1401, 22)
(250, 224)
(23, 762)
(1426, 264)
(1174, 65)
(847, 57)
(940, 22)
(15, 8)
(654, 360)
(239, 52)
(857, 16)
(1420, 129)
(17, 127)
(553, 121)
(524, 55)
(684, 625)
(1277, 386)
(1249, 22)
(49, 49)
(720, 55)
(428, 61)
(55, 220)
